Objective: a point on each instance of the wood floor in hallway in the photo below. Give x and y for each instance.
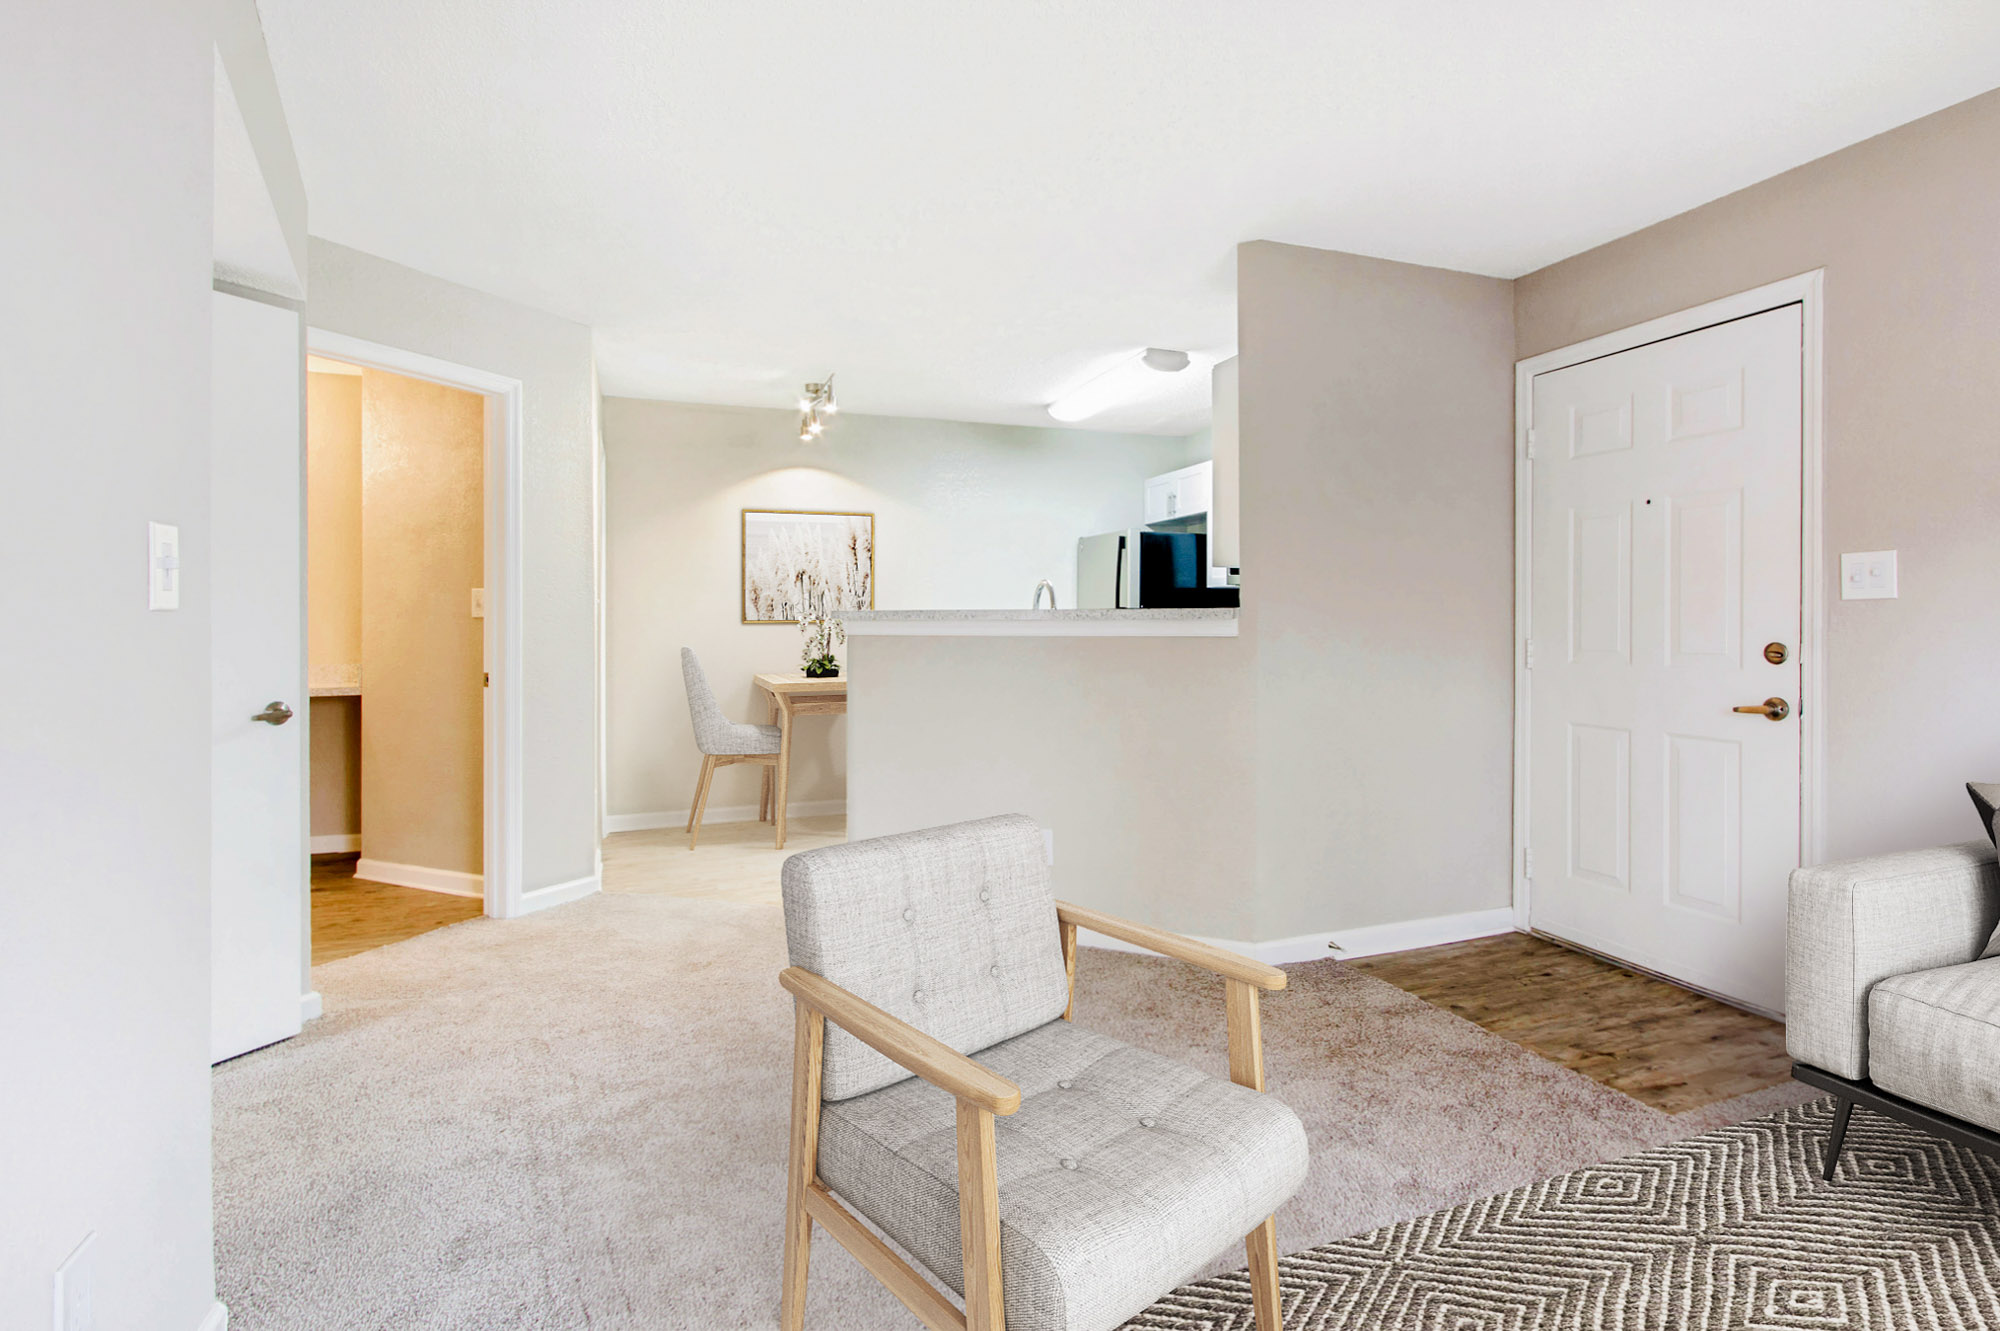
(351, 915)
(1671, 1048)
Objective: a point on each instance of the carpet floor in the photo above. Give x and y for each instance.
(577, 1119)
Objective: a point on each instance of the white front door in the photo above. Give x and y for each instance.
(256, 608)
(1662, 822)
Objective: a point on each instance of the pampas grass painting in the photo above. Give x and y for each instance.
(806, 565)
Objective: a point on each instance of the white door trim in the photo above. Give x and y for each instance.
(502, 777)
(1806, 290)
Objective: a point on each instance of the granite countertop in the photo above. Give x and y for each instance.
(1159, 622)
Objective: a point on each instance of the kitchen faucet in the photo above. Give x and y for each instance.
(1040, 587)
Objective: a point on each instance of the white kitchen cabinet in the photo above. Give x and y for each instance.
(1179, 494)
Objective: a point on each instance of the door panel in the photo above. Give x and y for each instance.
(258, 838)
(1665, 529)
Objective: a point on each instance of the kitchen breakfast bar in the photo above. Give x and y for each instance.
(1128, 733)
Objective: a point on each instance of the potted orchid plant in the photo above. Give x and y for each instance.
(822, 631)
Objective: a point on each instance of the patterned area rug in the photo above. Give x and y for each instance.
(1731, 1229)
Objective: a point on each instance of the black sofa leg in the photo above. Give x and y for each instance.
(1838, 1135)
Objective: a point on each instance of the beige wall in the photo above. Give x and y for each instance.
(422, 548)
(966, 516)
(1346, 761)
(371, 298)
(1137, 752)
(104, 705)
(333, 519)
(336, 766)
(1907, 227)
(1375, 425)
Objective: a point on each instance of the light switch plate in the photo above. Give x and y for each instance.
(74, 1295)
(479, 603)
(1868, 575)
(163, 566)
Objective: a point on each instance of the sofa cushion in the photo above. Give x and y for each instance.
(952, 930)
(1121, 1174)
(1934, 1037)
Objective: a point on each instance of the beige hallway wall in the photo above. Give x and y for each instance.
(422, 552)
(1907, 226)
(967, 515)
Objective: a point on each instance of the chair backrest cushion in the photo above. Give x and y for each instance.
(710, 724)
(953, 930)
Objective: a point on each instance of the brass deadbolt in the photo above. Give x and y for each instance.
(1777, 653)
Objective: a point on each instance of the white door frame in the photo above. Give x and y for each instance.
(501, 857)
(1806, 290)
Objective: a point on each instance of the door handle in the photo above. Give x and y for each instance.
(1775, 709)
(274, 714)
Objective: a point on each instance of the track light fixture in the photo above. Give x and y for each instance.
(817, 404)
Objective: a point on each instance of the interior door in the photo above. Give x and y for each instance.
(1663, 819)
(259, 857)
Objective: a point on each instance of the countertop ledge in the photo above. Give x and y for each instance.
(1194, 622)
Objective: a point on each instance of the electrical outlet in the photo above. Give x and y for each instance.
(1868, 575)
(75, 1280)
(1048, 845)
(163, 566)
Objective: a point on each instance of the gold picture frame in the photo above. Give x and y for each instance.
(843, 542)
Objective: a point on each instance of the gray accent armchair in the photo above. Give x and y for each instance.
(1056, 1178)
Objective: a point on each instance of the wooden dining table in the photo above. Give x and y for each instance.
(792, 695)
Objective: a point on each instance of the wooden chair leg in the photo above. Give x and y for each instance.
(808, 1042)
(1262, 1247)
(764, 793)
(979, 1220)
(700, 800)
(782, 795)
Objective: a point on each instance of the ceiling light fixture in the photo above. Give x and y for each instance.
(1127, 381)
(817, 404)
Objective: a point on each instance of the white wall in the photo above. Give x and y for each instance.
(104, 741)
(966, 515)
(370, 298)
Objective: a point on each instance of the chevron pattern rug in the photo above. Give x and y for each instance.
(1733, 1229)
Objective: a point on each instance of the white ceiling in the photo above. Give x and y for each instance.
(968, 209)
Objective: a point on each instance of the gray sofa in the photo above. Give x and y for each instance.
(1892, 1001)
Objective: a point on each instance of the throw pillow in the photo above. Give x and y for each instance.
(1986, 799)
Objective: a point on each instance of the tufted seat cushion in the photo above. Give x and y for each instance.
(1934, 1037)
(1121, 1174)
(952, 930)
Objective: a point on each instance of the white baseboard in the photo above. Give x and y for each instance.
(717, 813)
(555, 894)
(217, 1319)
(337, 843)
(311, 1005)
(450, 881)
(1367, 941)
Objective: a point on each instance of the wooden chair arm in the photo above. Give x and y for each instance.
(1229, 965)
(933, 1060)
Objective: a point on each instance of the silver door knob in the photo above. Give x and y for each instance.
(275, 714)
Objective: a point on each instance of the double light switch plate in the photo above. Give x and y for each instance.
(1869, 575)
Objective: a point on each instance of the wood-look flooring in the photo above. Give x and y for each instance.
(351, 915)
(1666, 1046)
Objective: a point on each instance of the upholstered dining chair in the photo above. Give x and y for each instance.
(722, 742)
(1055, 1178)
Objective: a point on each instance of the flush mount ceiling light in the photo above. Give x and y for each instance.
(1128, 381)
(814, 408)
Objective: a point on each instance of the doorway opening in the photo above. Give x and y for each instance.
(395, 553)
(412, 636)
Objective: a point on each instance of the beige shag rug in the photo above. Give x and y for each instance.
(578, 1120)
